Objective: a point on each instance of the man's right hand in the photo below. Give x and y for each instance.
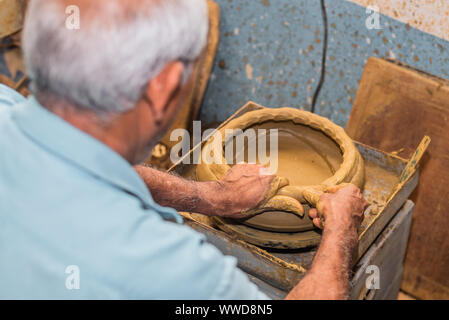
(328, 278)
(342, 208)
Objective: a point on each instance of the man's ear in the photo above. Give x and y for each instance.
(163, 87)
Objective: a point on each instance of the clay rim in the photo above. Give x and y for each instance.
(351, 161)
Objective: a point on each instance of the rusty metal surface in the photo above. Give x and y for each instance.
(276, 278)
(269, 239)
(387, 253)
(270, 291)
(283, 269)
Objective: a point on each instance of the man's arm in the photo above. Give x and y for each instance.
(242, 188)
(328, 278)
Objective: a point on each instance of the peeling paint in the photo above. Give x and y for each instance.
(249, 72)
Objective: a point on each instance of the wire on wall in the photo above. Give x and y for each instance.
(323, 58)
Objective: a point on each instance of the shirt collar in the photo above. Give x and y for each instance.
(84, 151)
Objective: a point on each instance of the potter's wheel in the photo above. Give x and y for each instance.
(270, 239)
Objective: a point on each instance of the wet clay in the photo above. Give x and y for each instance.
(314, 154)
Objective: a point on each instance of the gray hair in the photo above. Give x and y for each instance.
(105, 65)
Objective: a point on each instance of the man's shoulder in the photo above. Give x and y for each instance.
(9, 97)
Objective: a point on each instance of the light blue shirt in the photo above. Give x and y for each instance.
(77, 222)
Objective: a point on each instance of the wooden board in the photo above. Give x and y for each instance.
(387, 253)
(160, 157)
(394, 108)
(202, 72)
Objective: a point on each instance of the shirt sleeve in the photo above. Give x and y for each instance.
(205, 272)
(9, 97)
(235, 285)
(172, 261)
(221, 279)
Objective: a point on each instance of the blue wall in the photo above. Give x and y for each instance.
(282, 42)
(270, 52)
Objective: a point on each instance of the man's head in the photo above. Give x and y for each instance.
(128, 64)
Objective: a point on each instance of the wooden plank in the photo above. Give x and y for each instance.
(403, 296)
(189, 111)
(394, 108)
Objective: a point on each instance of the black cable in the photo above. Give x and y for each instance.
(323, 59)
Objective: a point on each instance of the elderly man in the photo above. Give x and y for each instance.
(77, 220)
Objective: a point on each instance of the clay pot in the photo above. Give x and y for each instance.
(313, 154)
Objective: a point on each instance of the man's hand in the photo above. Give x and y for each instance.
(243, 187)
(342, 208)
(328, 278)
